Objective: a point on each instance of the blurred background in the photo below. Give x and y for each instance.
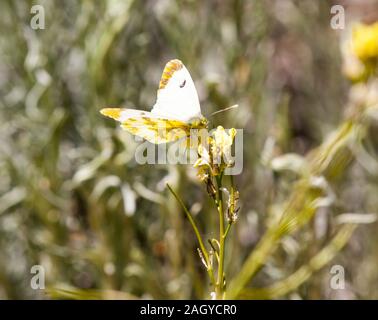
(74, 200)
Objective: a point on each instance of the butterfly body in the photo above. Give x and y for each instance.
(176, 111)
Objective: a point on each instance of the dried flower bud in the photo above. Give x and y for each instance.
(233, 209)
(202, 258)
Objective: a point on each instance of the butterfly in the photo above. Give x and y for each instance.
(176, 112)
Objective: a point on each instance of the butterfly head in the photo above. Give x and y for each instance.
(199, 123)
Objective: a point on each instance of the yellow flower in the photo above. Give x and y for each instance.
(360, 52)
(214, 154)
(221, 145)
(365, 41)
(203, 163)
(205, 169)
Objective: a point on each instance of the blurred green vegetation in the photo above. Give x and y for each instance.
(73, 199)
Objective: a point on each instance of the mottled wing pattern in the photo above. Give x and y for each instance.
(148, 126)
(170, 68)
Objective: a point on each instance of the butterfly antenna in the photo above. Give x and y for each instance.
(225, 109)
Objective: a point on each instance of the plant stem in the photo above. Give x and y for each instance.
(209, 267)
(220, 279)
(227, 230)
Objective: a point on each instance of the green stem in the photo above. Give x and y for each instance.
(196, 231)
(227, 230)
(220, 279)
(214, 249)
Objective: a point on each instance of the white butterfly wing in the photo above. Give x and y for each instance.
(177, 96)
